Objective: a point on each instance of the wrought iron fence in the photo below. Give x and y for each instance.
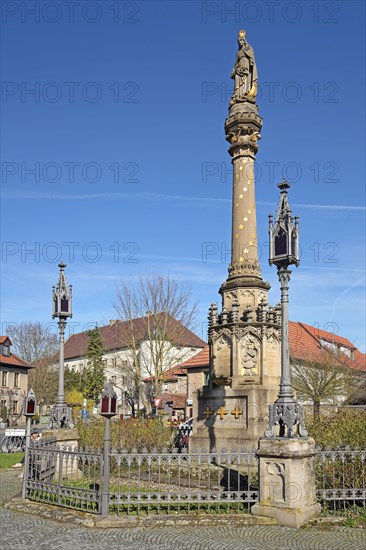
(176, 482)
(163, 483)
(340, 477)
(65, 476)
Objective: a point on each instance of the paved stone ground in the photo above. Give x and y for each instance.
(19, 531)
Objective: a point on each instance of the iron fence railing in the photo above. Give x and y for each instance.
(163, 483)
(340, 477)
(65, 477)
(176, 482)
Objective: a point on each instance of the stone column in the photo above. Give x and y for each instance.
(242, 131)
(244, 224)
(287, 481)
(61, 393)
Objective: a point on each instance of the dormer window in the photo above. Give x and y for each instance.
(6, 350)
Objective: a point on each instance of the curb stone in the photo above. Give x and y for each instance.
(86, 519)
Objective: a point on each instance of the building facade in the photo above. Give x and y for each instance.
(131, 345)
(13, 383)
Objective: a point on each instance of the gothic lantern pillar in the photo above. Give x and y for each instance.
(108, 409)
(283, 252)
(62, 310)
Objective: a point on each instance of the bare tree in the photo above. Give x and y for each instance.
(44, 382)
(9, 413)
(37, 345)
(325, 378)
(33, 342)
(158, 316)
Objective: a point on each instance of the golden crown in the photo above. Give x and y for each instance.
(242, 34)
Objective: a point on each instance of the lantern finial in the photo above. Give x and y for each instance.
(62, 296)
(108, 400)
(284, 232)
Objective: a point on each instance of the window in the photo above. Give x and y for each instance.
(330, 345)
(4, 378)
(6, 350)
(206, 379)
(347, 351)
(16, 379)
(15, 407)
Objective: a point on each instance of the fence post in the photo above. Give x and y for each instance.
(106, 467)
(59, 476)
(26, 456)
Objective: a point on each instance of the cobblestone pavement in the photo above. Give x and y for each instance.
(19, 531)
(10, 484)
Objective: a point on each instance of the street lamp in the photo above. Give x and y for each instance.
(286, 412)
(62, 309)
(29, 411)
(108, 408)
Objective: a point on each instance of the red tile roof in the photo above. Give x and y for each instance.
(201, 359)
(170, 374)
(115, 335)
(305, 343)
(179, 400)
(12, 360)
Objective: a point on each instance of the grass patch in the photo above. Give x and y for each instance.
(7, 460)
(354, 516)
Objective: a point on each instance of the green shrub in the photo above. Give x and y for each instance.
(133, 433)
(345, 428)
(339, 471)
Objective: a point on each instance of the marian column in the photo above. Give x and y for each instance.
(242, 129)
(244, 337)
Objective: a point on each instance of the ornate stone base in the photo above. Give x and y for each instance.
(229, 418)
(287, 481)
(61, 416)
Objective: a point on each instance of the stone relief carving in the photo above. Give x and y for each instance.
(272, 343)
(254, 332)
(222, 342)
(248, 295)
(245, 267)
(219, 333)
(276, 477)
(272, 334)
(249, 356)
(231, 296)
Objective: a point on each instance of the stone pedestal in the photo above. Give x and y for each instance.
(287, 481)
(230, 418)
(66, 440)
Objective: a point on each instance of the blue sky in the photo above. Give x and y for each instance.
(124, 134)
